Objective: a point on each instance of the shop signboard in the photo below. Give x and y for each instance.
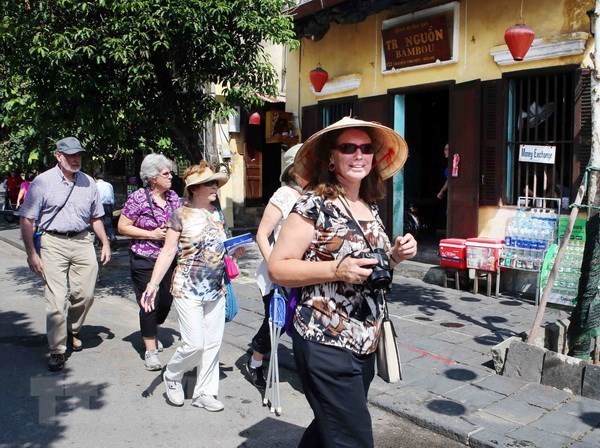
(419, 42)
(537, 154)
(578, 232)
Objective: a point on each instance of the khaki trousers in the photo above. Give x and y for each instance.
(70, 273)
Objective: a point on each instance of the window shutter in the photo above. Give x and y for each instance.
(583, 123)
(310, 121)
(374, 108)
(492, 142)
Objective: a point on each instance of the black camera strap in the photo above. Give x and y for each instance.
(344, 202)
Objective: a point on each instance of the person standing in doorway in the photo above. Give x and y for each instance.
(444, 188)
(64, 202)
(107, 196)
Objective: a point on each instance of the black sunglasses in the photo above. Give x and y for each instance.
(211, 183)
(350, 148)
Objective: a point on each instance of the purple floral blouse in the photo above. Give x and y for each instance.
(149, 217)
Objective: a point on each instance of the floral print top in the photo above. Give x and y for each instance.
(337, 313)
(200, 270)
(148, 217)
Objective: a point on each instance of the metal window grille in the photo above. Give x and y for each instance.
(540, 112)
(333, 111)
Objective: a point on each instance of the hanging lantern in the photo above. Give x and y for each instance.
(518, 39)
(318, 78)
(255, 118)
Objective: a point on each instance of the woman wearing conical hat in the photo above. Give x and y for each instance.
(321, 249)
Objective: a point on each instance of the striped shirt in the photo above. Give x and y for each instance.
(48, 192)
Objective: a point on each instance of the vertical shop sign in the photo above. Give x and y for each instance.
(421, 42)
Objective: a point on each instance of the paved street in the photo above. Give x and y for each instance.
(104, 397)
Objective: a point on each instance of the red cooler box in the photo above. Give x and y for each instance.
(453, 253)
(483, 253)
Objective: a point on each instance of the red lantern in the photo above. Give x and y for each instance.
(318, 78)
(254, 118)
(518, 39)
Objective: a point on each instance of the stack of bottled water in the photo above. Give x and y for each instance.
(567, 280)
(528, 236)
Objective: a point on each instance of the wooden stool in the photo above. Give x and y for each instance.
(453, 275)
(488, 275)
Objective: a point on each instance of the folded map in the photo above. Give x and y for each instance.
(232, 244)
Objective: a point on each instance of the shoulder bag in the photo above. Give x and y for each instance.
(231, 271)
(231, 306)
(389, 367)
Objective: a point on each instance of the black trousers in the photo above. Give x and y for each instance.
(141, 272)
(261, 342)
(336, 382)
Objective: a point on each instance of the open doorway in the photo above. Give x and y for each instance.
(426, 132)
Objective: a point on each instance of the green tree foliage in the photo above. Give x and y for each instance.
(130, 74)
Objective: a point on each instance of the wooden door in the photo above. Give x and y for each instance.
(463, 191)
(253, 175)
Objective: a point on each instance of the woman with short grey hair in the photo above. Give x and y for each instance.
(152, 165)
(143, 219)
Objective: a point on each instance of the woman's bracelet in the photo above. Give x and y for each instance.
(392, 257)
(156, 286)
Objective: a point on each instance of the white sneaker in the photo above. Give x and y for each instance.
(174, 391)
(152, 361)
(208, 402)
(159, 345)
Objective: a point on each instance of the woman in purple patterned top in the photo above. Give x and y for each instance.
(143, 219)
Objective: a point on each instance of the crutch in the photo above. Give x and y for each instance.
(276, 324)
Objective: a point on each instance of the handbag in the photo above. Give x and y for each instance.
(231, 269)
(293, 299)
(231, 307)
(389, 367)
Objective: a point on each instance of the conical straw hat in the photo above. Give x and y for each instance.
(389, 157)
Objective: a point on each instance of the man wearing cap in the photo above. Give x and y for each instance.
(64, 203)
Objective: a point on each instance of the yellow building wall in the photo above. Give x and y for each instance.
(357, 48)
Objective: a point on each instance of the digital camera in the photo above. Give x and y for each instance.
(381, 277)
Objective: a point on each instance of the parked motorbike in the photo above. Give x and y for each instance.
(412, 223)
